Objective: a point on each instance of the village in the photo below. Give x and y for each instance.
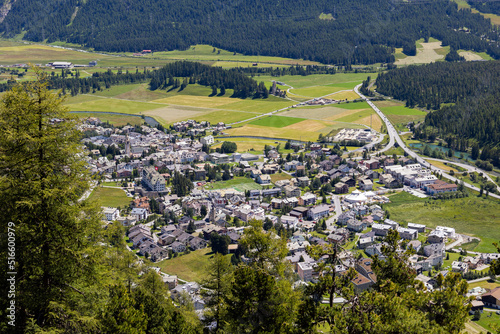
(319, 198)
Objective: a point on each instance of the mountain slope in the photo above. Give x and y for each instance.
(360, 31)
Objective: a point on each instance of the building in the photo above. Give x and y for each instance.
(307, 199)
(140, 213)
(407, 233)
(305, 271)
(152, 180)
(492, 298)
(61, 64)
(440, 187)
(111, 213)
(449, 231)
(381, 230)
(319, 212)
(208, 140)
(436, 237)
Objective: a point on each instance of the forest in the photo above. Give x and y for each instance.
(359, 32)
(465, 97)
(206, 75)
(485, 6)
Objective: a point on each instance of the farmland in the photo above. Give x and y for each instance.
(194, 101)
(454, 213)
(277, 121)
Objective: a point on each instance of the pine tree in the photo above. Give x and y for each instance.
(42, 180)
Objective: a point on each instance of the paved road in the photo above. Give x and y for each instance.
(395, 138)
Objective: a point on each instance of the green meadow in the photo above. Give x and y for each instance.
(475, 216)
(277, 121)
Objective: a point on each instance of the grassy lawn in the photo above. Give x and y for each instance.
(280, 176)
(441, 165)
(457, 213)
(111, 197)
(487, 322)
(277, 121)
(488, 285)
(452, 257)
(239, 183)
(189, 267)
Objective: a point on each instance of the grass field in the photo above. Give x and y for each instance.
(457, 213)
(116, 120)
(276, 121)
(239, 183)
(206, 53)
(398, 114)
(251, 145)
(280, 176)
(111, 197)
(441, 165)
(487, 321)
(190, 267)
(307, 130)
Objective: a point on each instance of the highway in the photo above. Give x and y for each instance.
(395, 138)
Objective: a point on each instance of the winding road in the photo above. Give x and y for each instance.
(395, 138)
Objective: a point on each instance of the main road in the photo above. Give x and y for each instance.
(395, 138)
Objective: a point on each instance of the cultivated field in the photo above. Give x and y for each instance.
(276, 121)
(205, 53)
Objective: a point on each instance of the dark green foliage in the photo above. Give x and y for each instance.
(361, 32)
(472, 87)
(485, 6)
(219, 243)
(181, 185)
(205, 75)
(228, 147)
(453, 56)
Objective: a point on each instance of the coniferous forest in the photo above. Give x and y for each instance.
(357, 31)
(464, 95)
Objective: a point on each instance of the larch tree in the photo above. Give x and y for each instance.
(43, 180)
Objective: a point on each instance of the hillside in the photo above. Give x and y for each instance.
(357, 31)
(465, 96)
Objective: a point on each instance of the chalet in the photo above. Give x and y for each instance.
(349, 181)
(341, 188)
(492, 298)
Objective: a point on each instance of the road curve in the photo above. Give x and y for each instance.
(394, 138)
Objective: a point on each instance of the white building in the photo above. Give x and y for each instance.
(449, 231)
(208, 140)
(152, 179)
(111, 213)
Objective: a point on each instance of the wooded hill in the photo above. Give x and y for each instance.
(359, 31)
(472, 91)
(485, 6)
(205, 75)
